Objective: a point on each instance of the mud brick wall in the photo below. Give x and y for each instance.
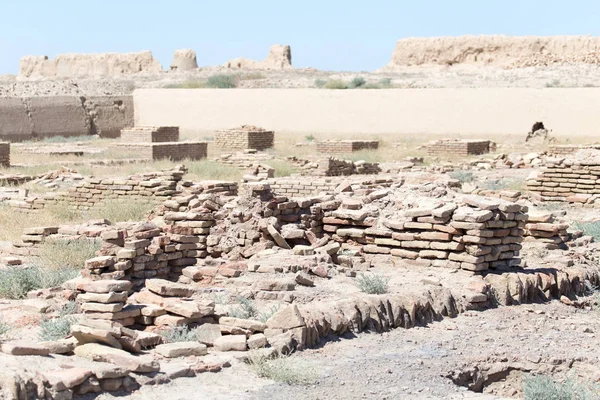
(4, 154)
(337, 167)
(346, 146)
(303, 187)
(458, 147)
(244, 139)
(171, 151)
(475, 235)
(150, 134)
(565, 179)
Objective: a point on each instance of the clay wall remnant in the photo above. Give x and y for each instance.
(150, 134)
(245, 137)
(346, 146)
(459, 147)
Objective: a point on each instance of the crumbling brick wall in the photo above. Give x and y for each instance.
(150, 134)
(345, 146)
(458, 147)
(246, 137)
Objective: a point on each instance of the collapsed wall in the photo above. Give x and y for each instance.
(280, 57)
(497, 50)
(100, 64)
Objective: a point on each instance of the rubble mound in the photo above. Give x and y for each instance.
(280, 57)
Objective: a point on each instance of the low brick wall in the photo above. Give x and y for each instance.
(298, 187)
(568, 149)
(346, 146)
(244, 139)
(4, 154)
(150, 134)
(458, 147)
(174, 151)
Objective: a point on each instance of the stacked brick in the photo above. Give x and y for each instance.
(245, 137)
(561, 150)
(304, 187)
(345, 146)
(459, 147)
(4, 154)
(479, 234)
(31, 238)
(337, 167)
(574, 179)
(542, 229)
(105, 300)
(150, 134)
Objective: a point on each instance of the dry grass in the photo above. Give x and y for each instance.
(121, 210)
(67, 254)
(287, 369)
(211, 170)
(12, 221)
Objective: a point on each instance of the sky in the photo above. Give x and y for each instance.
(328, 35)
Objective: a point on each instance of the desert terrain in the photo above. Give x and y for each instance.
(148, 250)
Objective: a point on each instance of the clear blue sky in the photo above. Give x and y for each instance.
(330, 35)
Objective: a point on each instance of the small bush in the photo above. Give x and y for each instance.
(336, 84)
(462, 176)
(386, 82)
(16, 282)
(263, 316)
(544, 388)
(320, 83)
(4, 329)
(221, 82)
(588, 228)
(357, 82)
(289, 370)
(553, 84)
(52, 329)
(309, 138)
(180, 334)
(69, 254)
(372, 283)
(245, 310)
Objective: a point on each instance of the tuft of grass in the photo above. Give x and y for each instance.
(309, 138)
(286, 369)
(221, 81)
(319, 83)
(67, 254)
(372, 283)
(357, 82)
(192, 84)
(16, 282)
(4, 329)
(588, 228)
(282, 168)
(544, 388)
(504, 184)
(179, 334)
(263, 316)
(120, 210)
(52, 329)
(462, 176)
(553, 84)
(245, 310)
(336, 84)
(212, 170)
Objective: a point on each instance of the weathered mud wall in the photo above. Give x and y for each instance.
(77, 65)
(38, 117)
(280, 57)
(506, 51)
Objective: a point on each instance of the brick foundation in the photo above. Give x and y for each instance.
(245, 138)
(458, 147)
(150, 134)
(346, 146)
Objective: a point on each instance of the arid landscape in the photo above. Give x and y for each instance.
(245, 244)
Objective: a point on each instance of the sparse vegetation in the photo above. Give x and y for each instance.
(553, 84)
(544, 388)
(52, 329)
(286, 369)
(372, 283)
(309, 138)
(319, 83)
(117, 210)
(282, 168)
(263, 316)
(336, 84)
(591, 228)
(207, 169)
(191, 84)
(179, 334)
(504, 184)
(67, 254)
(462, 176)
(245, 310)
(357, 82)
(16, 282)
(4, 329)
(221, 81)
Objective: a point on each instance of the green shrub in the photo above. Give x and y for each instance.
(245, 310)
(221, 81)
(591, 228)
(180, 334)
(357, 82)
(336, 84)
(462, 176)
(52, 329)
(553, 84)
(372, 283)
(386, 82)
(320, 83)
(286, 369)
(544, 388)
(69, 254)
(16, 282)
(309, 138)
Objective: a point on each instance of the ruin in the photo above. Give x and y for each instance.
(184, 60)
(460, 147)
(160, 143)
(245, 137)
(346, 146)
(280, 57)
(150, 134)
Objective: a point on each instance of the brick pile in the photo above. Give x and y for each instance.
(574, 179)
(28, 245)
(150, 134)
(561, 150)
(477, 234)
(544, 230)
(105, 300)
(245, 137)
(338, 167)
(345, 146)
(259, 172)
(459, 147)
(4, 154)
(298, 187)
